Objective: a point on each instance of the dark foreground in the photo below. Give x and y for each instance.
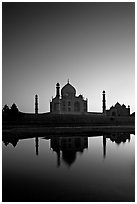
(57, 158)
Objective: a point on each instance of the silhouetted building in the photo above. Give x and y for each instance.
(68, 102)
(118, 110)
(5, 109)
(133, 114)
(67, 147)
(14, 109)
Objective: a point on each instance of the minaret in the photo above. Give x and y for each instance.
(58, 90)
(36, 104)
(104, 102)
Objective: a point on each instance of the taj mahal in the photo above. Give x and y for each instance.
(68, 102)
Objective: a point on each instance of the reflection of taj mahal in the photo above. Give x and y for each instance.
(68, 147)
(68, 103)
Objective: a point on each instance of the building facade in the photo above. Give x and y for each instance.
(118, 110)
(67, 102)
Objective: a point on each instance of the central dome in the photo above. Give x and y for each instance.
(68, 89)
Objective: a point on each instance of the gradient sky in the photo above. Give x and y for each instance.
(92, 44)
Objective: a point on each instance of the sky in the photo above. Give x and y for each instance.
(92, 44)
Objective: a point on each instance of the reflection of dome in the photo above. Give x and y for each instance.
(69, 157)
(68, 88)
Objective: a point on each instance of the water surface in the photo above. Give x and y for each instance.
(97, 168)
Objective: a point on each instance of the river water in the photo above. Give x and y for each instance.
(72, 168)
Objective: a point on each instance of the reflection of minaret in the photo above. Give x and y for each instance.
(55, 145)
(37, 145)
(58, 158)
(36, 104)
(104, 146)
(104, 102)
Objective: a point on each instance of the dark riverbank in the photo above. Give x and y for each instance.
(26, 132)
(31, 125)
(59, 120)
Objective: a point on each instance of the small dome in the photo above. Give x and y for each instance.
(57, 84)
(68, 88)
(117, 105)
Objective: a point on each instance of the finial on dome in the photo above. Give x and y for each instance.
(68, 81)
